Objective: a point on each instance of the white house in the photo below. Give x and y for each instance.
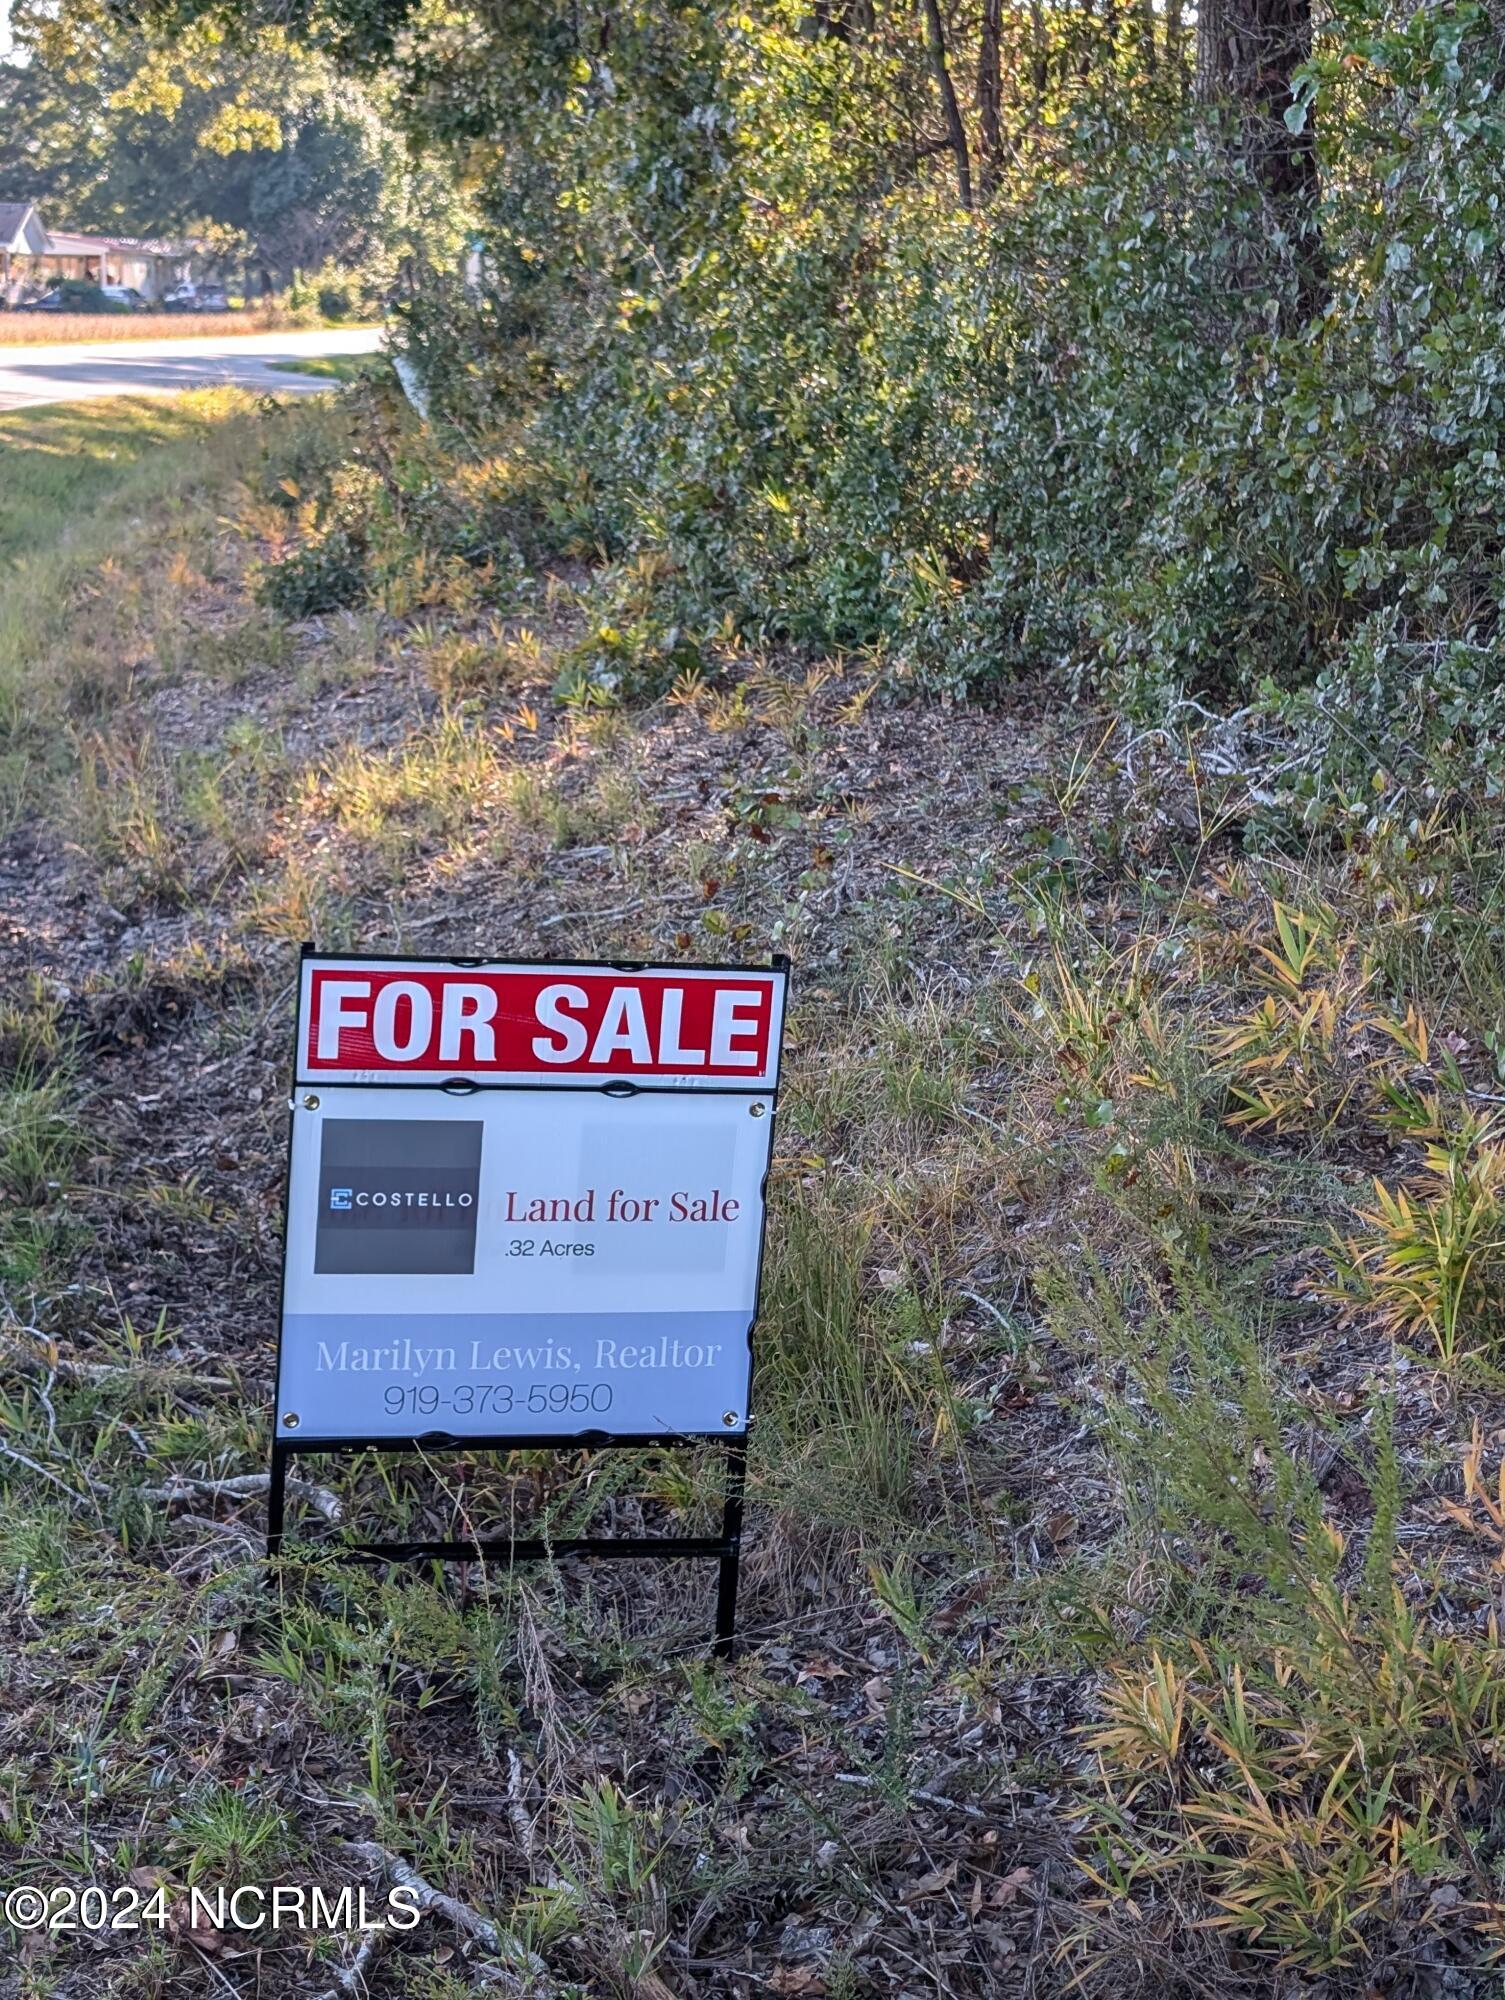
(22, 239)
(33, 258)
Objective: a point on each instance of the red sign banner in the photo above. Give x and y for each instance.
(379, 1020)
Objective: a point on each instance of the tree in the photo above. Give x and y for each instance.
(1249, 54)
(956, 131)
(1024, 373)
(204, 131)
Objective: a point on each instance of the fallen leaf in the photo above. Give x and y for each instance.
(193, 1927)
(795, 1979)
(1011, 1888)
(931, 1884)
(951, 1616)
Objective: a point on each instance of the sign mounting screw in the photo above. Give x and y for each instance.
(290, 1421)
(756, 1110)
(310, 1103)
(729, 1418)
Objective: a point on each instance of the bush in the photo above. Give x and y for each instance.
(382, 512)
(329, 572)
(1391, 719)
(1087, 426)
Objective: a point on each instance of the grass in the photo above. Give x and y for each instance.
(1126, 1491)
(108, 510)
(60, 464)
(338, 367)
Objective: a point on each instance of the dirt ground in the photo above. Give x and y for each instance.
(894, 1791)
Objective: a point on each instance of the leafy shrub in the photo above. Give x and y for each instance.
(1392, 717)
(1305, 1744)
(330, 571)
(1432, 1258)
(383, 512)
(633, 650)
(302, 449)
(1087, 425)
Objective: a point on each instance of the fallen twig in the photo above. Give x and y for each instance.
(588, 916)
(69, 1368)
(915, 1792)
(245, 1486)
(42, 1472)
(352, 1979)
(522, 1826)
(392, 1868)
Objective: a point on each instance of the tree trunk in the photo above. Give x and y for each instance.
(1175, 42)
(1248, 51)
(1214, 70)
(990, 93)
(1039, 55)
(1084, 48)
(935, 35)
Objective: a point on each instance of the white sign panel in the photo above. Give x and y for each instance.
(511, 1263)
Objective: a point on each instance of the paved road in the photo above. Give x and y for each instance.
(74, 372)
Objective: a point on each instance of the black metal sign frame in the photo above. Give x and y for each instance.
(724, 1549)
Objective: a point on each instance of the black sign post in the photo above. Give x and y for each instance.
(724, 1549)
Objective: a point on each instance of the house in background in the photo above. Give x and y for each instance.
(34, 258)
(22, 239)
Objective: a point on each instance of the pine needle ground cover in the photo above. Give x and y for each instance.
(1123, 1570)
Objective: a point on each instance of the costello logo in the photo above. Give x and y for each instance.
(398, 1195)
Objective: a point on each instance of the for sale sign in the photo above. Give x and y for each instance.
(557, 1232)
(394, 1020)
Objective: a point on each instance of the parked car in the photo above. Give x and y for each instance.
(196, 298)
(75, 295)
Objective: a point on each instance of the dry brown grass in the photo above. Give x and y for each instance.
(54, 329)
